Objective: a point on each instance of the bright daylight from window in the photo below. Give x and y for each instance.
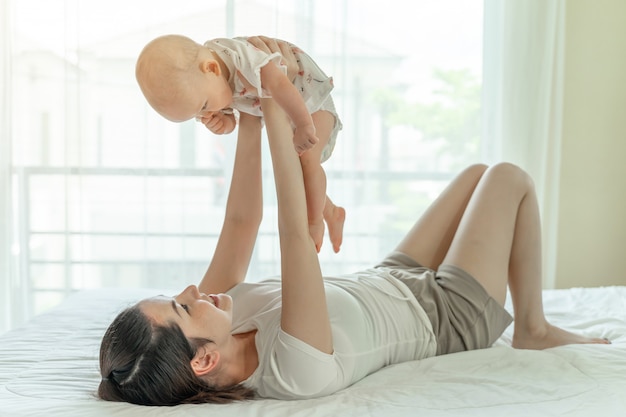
(108, 193)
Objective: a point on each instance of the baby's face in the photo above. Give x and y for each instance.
(207, 93)
(210, 94)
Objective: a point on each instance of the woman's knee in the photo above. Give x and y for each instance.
(476, 170)
(513, 175)
(472, 173)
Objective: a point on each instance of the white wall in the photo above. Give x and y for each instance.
(592, 206)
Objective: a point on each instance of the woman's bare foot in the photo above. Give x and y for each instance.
(550, 336)
(335, 217)
(316, 230)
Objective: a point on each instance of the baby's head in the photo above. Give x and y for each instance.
(178, 76)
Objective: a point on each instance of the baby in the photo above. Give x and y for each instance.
(182, 79)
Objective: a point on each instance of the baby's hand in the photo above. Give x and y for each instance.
(304, 138)
(219, 122)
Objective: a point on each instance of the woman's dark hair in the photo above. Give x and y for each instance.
(144, 363)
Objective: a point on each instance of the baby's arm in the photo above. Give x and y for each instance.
(219, 122)
(288, 97)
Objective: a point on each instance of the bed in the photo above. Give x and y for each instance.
(49, 367)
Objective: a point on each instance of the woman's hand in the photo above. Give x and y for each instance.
(271, 45)
(287, 96)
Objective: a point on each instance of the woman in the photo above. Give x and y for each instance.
(441, 291)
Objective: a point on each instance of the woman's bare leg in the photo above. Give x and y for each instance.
(429, 239)
(498, 242)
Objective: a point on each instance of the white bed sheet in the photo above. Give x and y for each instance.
(49, 367)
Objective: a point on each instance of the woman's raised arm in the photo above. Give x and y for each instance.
(304, 313)
(244, 211)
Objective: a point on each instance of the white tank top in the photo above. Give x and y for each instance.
(376, 321)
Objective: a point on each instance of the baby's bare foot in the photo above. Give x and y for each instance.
(550, 336)
(316, 230)
(335, 219)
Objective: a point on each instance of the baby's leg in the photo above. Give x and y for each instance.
(315, 188)
(334, 216)
(315, 177)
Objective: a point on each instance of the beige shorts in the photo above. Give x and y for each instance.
(463, 315)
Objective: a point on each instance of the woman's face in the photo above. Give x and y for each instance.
(198, 315)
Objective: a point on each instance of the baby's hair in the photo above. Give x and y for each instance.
(163, 67)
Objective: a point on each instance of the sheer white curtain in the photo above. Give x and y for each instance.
(106, 193)
(5, 168)
(522, 99)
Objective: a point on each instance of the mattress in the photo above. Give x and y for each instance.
(49, 367)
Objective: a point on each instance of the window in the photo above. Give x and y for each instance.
(106, 193)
